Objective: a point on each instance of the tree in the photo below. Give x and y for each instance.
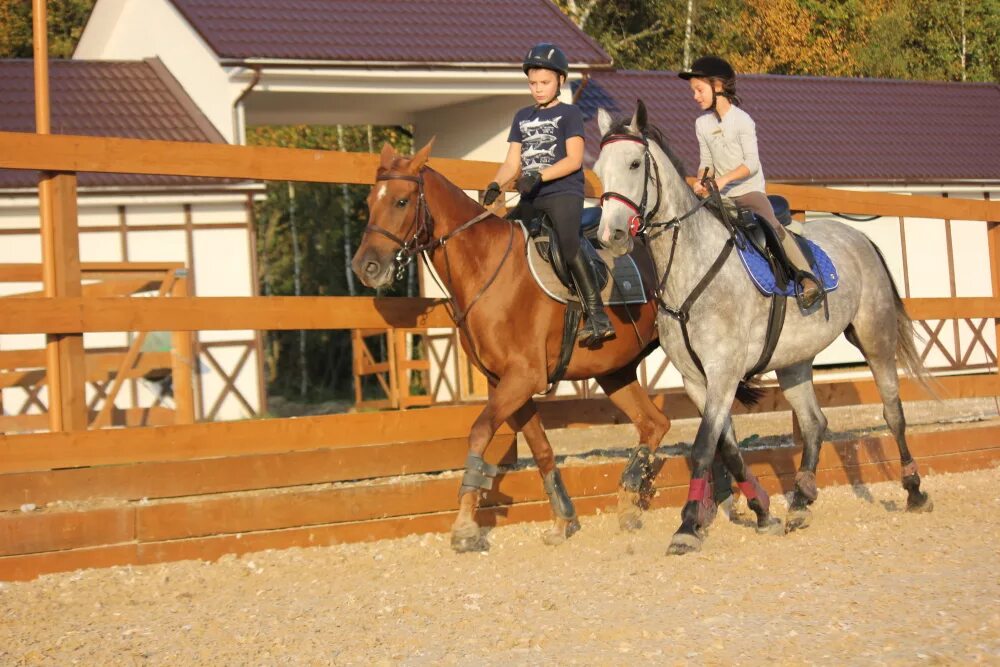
(786, 37)
(66, 20)
(304, 236)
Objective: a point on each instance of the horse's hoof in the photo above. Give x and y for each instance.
(560, 532)
(683, 543)
(727, 508)
(629, 512)
(922, 505)
(468, 539)
(797, 520)
(772, 526)
(630, 522)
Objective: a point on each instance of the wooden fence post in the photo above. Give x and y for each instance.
(182, 362)
(60, 254)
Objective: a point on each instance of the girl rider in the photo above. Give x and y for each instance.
(727, 140)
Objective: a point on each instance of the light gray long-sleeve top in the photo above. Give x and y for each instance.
(726, 145)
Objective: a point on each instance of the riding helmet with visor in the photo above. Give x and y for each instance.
(546, 56)
(714, 67)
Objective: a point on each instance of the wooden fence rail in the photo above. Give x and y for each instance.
(283, 313)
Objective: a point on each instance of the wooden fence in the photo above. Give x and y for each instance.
(164, 479)
(106, 370)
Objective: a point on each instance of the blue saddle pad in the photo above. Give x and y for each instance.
(761, 275)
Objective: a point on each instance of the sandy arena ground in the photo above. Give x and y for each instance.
(866, 583)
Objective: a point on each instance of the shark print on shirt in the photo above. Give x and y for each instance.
(542, 134)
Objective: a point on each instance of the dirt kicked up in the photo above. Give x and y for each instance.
(866, 583)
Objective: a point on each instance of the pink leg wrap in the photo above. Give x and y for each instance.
(697, 489)
(910, 469)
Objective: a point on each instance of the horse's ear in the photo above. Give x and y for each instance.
(604, 121)
(639, 119)
(388, 155)
(421, 156)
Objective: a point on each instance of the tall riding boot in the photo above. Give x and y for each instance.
(598, 326)
(810, 290)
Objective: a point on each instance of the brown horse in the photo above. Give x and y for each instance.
(509, 327)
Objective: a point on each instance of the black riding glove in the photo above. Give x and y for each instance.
(529, 184)
(491, 194)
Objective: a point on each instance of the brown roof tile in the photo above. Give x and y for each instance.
(828, 130)
(135, 99)
(388, 31)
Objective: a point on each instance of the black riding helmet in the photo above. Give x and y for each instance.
(546, 56)
(714, 67)
(710, 67)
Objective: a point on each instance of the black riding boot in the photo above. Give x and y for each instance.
(598, 326)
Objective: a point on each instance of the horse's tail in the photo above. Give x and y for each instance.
(748, 393)
(906, 337)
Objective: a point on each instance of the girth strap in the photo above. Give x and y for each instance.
(775, 323)
(571, 322)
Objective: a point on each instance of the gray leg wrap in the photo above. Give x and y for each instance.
(478, 474)
(637, 469)
(558, 497)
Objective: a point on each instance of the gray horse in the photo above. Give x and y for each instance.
(713, 329)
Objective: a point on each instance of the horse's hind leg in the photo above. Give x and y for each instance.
(729, 453)
(880, 351)
(564, 522)
(635, 487)
(797, 384)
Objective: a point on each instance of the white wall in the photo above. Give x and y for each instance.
(136, 29)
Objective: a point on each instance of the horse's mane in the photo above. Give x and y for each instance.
(622, 126)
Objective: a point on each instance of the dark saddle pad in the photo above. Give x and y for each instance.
(764, 259)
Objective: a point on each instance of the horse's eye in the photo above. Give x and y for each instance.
(401, 203)
(634, 165)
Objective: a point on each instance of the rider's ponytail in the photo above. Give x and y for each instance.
(729, 91)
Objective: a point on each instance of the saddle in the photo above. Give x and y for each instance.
(755, 231)
(623, 284)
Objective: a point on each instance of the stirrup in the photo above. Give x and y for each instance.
(810, 299)
(590, 334)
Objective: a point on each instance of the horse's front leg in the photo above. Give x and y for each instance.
(564, 521)
(636, 486)
(510, 393)
(699, 510)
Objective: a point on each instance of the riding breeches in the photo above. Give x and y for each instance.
(564, 211)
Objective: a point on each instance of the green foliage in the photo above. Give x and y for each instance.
(324, 215)
(66, 20)
(905, 39)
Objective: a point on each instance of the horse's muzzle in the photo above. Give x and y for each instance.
(618, 241)
(371, 271)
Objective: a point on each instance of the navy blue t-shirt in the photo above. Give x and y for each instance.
(542, 134)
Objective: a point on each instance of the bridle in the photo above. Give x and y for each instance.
(419, 238)
(418, 234)
(640, 219)
(641, 222)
